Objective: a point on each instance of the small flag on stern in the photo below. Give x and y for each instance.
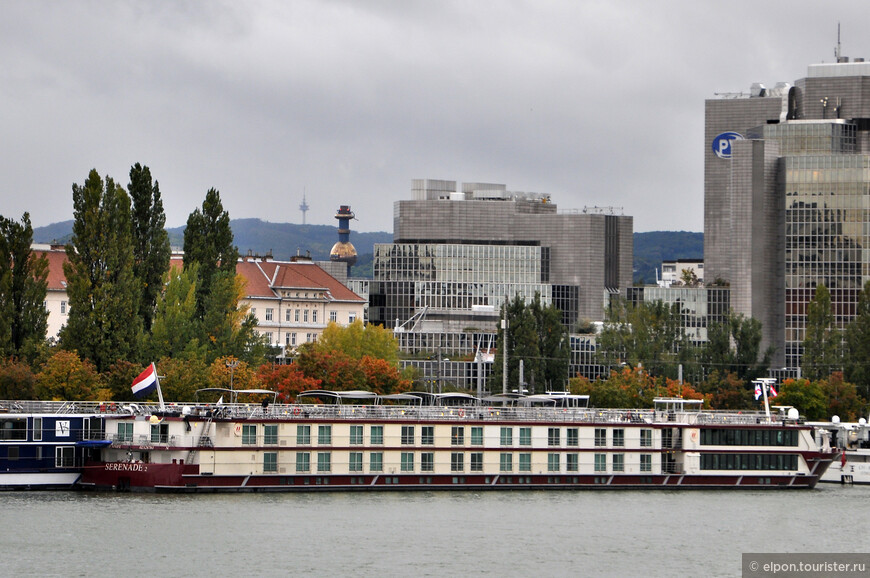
(757, 390)
(772, 391)
(146, 382)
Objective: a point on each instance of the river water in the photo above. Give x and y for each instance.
(498, 533)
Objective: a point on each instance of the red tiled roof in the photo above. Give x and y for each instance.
(56, 278)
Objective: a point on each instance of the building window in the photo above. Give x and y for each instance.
(63, 307)
(287, 315)
(646, 438)
(293, 339)
(646, 462)
(303, 462)
(333, 316)
(351, 317)
(407, 464)
(125, 432)
(254, 311)
(525, 436)
(269, 337)
(356, 435)
(296, 316)
(314, 315)
(324, 435)
(407, 435)
(270, 434)
(477, 435)
(618, 462)
(249, 434)
(324, 462)
(286, 339)
(377, 435)
(64, 457)
(270, 462)
(355, 462)
(571, 462)
(457, 435)
(427, 435)
(553, 437)
(303, 435)
(507, 436)
(427, 462)
(506, 463)
(525, 462)
(600, 437)
(573, 437)
(552, 462)
(37, 429)
(305, 316)
(269, 313)
(619, 438)
(457, 462)
(600, 462)
(476, 462)
(376, 462)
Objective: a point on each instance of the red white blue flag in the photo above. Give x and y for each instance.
(772, 391)
(757, 390)
(146, 382)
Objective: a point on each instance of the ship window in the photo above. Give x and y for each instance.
(600, 462)
(377, 435)
(249, 434)
(646, 462)
(355, 462)
(619, 438)
(525, 462)
(601, 437)
(571, 462)
(64, 457)
(270, 434)
(376, 462)
(507, 436)
(13, 429)
(476, 462)
(618, 462)
(324, 461)
(427, 462)
(553, 437)
(37, 429)
(525, 436)
(646, 438)
(324, 435)
(125, 432)
(457, 435)
(506, 462)
(457, 462)
(303, 434)
(407, 435)
(476, 435)
(427, 435)
(270, 462)
(407, 462)
(160, 433)
(303, 462)
(573, 437)
(552, 462)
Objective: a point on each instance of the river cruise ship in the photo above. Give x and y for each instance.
(853, 441)
(361, 441)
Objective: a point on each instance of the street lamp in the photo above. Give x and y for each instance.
(232, 364)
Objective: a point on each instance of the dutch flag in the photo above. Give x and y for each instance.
(146, 382)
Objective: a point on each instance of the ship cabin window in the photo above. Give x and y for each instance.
(476, 462)
(600, 462)
(507, 436)
(457, 436)
(270, 434)
(618, 462)
(457, 462)
(427, 435)
(376, 462)
(303, 462)
(407, 435)
(477, 435)
(572, 462)
(646, 462)
(324, 435)
(249, 434)
(125, 431)
(646, 438)
(64, 457)
(377, 435)
(13, 429)
(600, 437)
(525, 436)
(159, 433)
(303, 435)
(619, 438)
(427, 462)
(324, 462)
(355, 462)
(407, 462)
(573, 437)
(270, 462)
(506, 463)
(553, 463)
(553, 437)
(356, 435)
(37, 429)
(525, 462)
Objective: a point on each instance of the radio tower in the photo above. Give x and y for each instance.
(303, 207)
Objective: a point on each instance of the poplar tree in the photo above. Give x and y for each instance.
(151, 250)
(858, 343)
(822, 341)
(104, 323)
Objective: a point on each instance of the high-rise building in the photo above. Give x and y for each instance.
(787, 198)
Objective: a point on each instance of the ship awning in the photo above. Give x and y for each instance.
(93, 443)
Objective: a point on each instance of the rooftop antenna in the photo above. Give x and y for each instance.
(304, 206)
(837, 52)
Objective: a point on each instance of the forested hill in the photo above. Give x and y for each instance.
(286, 239)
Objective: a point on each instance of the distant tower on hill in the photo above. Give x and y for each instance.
(304, 208)
(344, 251)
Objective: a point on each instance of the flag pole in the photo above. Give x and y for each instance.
(160, 393)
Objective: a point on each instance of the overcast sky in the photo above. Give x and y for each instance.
(594, 102)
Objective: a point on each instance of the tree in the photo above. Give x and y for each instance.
(822, 342)
(842, 397)
(16, 380)
(104, 323)
(66, 376)
(857, 337)
(151, 250)
(239, 376)
(287, 380)
(727, 391)
(175, 330)
(357, 340)
(734, 346)
(227, 328)
(805, 395)
(23, 285)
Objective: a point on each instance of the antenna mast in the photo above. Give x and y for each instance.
(303, 207)
(837, 49)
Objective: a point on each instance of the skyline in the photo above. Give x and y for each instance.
(596, 104)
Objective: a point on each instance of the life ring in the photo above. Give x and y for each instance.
(694, 435)
(461, 413)
(238, 429)
(296, 410)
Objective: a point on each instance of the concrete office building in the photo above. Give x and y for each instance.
(787, 198)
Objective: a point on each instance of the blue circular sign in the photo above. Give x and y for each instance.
(722, 143)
